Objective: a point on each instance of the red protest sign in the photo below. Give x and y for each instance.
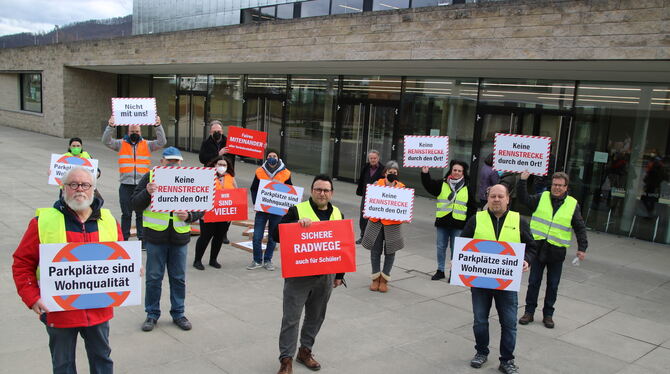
(246, 142)
(229, 205)
(325, 247)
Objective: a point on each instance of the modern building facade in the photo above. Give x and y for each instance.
(593, 75)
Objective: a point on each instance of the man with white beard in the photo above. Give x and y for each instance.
(76, 217)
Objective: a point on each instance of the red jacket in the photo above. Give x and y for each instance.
(27, 259)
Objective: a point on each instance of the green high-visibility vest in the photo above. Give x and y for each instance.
(556, 228)
(510, 232)
(458, 209)
(51, 227)
(159, 221)
(305, 211)
(83, 154)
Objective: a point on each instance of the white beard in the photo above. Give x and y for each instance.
(76, 205)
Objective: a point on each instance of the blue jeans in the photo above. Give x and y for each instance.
(445, 236)
(63, 344)
(506, 304)
(260, 221)
(535, 280)
(125, 193)
(158, 256)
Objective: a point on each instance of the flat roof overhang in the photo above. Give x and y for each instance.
(592, 70)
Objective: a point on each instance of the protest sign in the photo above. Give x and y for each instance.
(183, 188)
(276, 198)
(518, 153)
(60, 165)
(325, 247)
(487, 264)
(129, 111)
(246, 142)
(90, 275)
(229, 205)
(396, 204)
(429, 151)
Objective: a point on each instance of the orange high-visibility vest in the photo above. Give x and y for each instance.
(282, 176)
(381, 182)
(134, 160)
(227, 183)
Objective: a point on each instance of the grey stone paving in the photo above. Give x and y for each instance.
(612, 315)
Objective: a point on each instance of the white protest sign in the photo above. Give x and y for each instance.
(183, 188)
(129, 111)
(276, 198)
(60, 164)
(391, 203)
(518, 153)
(430, 151)
(77, 276)
(487, 264)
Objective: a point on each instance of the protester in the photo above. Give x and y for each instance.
(217, 232)
(134, 159)
(76, 217)
(371, 172)
(75, 148)
(487, 178)
(311, 292)
(215, 145)
(273, 169)
(455, 204)
(166, 240)
(384, 236)
(555, 214)
(501, 224)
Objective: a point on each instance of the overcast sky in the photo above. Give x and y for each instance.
(42, 15)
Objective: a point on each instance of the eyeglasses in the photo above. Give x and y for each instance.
(84, 186)
(321, 190)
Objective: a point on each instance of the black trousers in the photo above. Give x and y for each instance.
(214, 231)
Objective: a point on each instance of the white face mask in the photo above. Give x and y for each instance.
(221, 170)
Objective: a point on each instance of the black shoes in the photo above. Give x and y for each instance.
(198, 265)
(149, 324)
(438, 275)
(225, 240)
(508, 367)
(183, 323)
(215, 264)
(478, 360)
(359, 241)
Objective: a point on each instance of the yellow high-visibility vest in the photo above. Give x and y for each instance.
(556, 228)
(510, 232)
(458, 209)
(305, 211)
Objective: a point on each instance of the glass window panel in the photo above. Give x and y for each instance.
(619, 158)
(438, 106)
(346, 6)
(31, 92)
(527, 93)
(310, 127)
(268, 13)
(226, 100)
(389, 4)
(165, 88)
(266, 85)
(285, 11)
(423, 3)
(315, 8)
(378, 88)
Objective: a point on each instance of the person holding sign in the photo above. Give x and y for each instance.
(75, 149)
(371, 173)
(134, 159)
(384, 236)
(274, 169)
(167, 237)
(555, 215)
(214, 145)
(311, 292)
(76, 217)
(500, 224)
(455, 204)
(215, 231)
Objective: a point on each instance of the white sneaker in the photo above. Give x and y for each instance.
(254, 265)
(268, 266)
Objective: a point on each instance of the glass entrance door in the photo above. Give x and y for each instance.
(265, 114)
(191, 123)
(362, 126)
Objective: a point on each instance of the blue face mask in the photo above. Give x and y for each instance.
(272, 161)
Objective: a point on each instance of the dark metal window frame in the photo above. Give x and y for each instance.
(22, 77)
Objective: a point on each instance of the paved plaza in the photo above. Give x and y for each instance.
(612, 314)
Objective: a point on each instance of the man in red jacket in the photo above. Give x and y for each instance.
(78, 213)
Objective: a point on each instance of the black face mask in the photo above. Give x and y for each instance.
(391, 177)
(217, 136)
(134, 138)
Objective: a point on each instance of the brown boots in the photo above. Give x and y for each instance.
(379, 282)
(286, 366)
(305, 357)
(375, 281)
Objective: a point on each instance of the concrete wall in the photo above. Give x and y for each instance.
(536, 30)
(9, 92)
